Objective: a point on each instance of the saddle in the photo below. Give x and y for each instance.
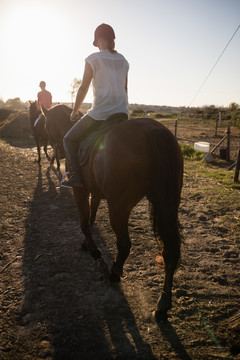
(95, 135)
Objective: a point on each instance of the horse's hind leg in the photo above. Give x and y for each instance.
(94, 203)
(54, 154)
(57, 156)
(171, 255)
(119, 221)
(82, 202)
(45, 150)
(39, 152)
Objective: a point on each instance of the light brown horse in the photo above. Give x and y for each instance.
(137, 158)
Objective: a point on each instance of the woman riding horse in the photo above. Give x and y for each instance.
(107, 69)
(135, 159)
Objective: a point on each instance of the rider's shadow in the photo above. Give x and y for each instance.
(62, 290)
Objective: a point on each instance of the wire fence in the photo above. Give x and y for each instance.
(221, 140)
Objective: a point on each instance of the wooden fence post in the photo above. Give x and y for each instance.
(237, 167)
(216, 127)
(220, 142)
(228, 143)
(175, 132)
(220, 118)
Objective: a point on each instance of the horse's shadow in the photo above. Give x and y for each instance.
(171, 336)
(23, 143)
(62, 296)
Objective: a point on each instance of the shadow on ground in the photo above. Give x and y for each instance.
(81, 314)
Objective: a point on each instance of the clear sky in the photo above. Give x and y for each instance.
(171, 46)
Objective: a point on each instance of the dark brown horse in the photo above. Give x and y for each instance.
(137, 158)
(58, 123)
(38, 127)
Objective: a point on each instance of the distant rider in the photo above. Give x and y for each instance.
(44, 97)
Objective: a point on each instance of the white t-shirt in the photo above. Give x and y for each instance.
(109, 77)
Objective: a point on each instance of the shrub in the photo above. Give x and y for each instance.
(190, 154)
(137, 113)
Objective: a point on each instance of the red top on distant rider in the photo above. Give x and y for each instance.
(44, 97)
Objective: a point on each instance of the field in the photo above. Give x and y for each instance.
(56, 305)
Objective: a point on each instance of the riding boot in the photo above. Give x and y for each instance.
(75, 179)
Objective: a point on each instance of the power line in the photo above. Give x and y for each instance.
(213, 66)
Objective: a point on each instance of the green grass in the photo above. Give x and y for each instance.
(190, 154)
(213, 187)
(217, 174)
(212, 171)
(235, 186)
(209, 170)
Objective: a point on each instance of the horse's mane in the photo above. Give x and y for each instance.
(33, 111)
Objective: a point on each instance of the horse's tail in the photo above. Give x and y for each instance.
(166, 170)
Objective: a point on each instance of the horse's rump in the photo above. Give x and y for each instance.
(141, 157)
(127, 158)
(58, 122)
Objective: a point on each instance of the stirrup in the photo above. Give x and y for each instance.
(73, 182)
(62, 181)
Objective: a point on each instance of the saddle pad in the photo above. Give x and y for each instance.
(96, 135)
(37, 120)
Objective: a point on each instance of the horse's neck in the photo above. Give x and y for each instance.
(35, 115)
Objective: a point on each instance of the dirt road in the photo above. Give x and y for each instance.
(56, 305)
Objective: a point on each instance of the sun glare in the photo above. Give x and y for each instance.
(35, 38)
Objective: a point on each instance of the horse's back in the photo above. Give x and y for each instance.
(59, 115)
(128, 143)
(58, 122)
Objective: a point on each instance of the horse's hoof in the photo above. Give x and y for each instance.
(164, 302)
(102, 267)
(114, 278)
(96, 254)
(84, 246)
(160, 316)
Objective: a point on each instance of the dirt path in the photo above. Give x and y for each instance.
(56, 305)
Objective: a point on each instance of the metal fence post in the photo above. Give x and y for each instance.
(175, 132)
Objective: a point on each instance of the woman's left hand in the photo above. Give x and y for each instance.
(74, 115)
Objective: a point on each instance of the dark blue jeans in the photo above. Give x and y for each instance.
(72, 138)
